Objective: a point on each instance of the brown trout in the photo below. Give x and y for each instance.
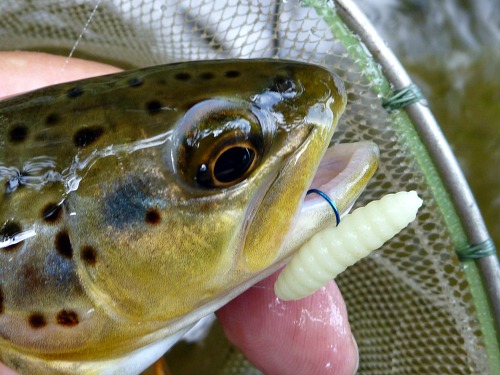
(133, 204)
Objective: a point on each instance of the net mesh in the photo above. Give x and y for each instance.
(409, 304)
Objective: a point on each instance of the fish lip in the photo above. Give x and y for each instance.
(342, 175)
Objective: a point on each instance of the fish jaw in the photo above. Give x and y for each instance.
(343, 174)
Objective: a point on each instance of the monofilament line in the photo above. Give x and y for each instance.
(85, 27)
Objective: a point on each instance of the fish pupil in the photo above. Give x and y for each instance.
(233, 163)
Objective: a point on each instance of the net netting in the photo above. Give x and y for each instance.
(409, 304)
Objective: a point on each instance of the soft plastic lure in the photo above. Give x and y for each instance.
(335, 248)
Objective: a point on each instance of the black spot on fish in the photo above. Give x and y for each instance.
(86, 136)
(9, 230)
(63, 244)
(2, 297)
(152, 216)
(18, 133)
(74, 92)
(153, 107)
(67, 318)
(207, 76)
(135, 82)
(182, 76)
(37, 320)
(52, 119)
(233, 74)
(51, 212)
(88, 255)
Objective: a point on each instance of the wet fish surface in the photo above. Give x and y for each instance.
(135, 203)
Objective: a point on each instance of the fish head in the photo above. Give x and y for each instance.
(137, 203)
(182, 222)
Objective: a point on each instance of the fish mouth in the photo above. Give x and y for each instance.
(342, 175)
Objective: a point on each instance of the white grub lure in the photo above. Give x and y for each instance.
(335, 248)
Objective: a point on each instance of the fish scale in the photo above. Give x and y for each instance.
(117, 228)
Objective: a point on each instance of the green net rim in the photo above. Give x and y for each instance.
(372, 70)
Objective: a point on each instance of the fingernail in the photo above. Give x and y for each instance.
(355, 344)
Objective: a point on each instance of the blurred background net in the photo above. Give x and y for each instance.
(414, 308)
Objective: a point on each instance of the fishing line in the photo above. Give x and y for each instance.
(80, 37)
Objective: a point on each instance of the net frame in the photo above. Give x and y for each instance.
(483, 273)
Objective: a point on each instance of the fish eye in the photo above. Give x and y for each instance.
(228, 167)
(233, 163)
(222, 142)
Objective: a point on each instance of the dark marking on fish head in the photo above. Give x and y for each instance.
(74, 92)
(51, 213)
(9, 230)
(182, 76)
(135, 82)
(89, 255)
(206, 76)
(153, 216)
(52, 119)
(18, 133)
(43, 275)
(67, 318)
(124, 206)
(232, 74)
(154, 107)
(87, 135)
(37, 320)
(63, 244)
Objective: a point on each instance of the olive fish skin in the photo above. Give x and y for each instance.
(133, 204)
